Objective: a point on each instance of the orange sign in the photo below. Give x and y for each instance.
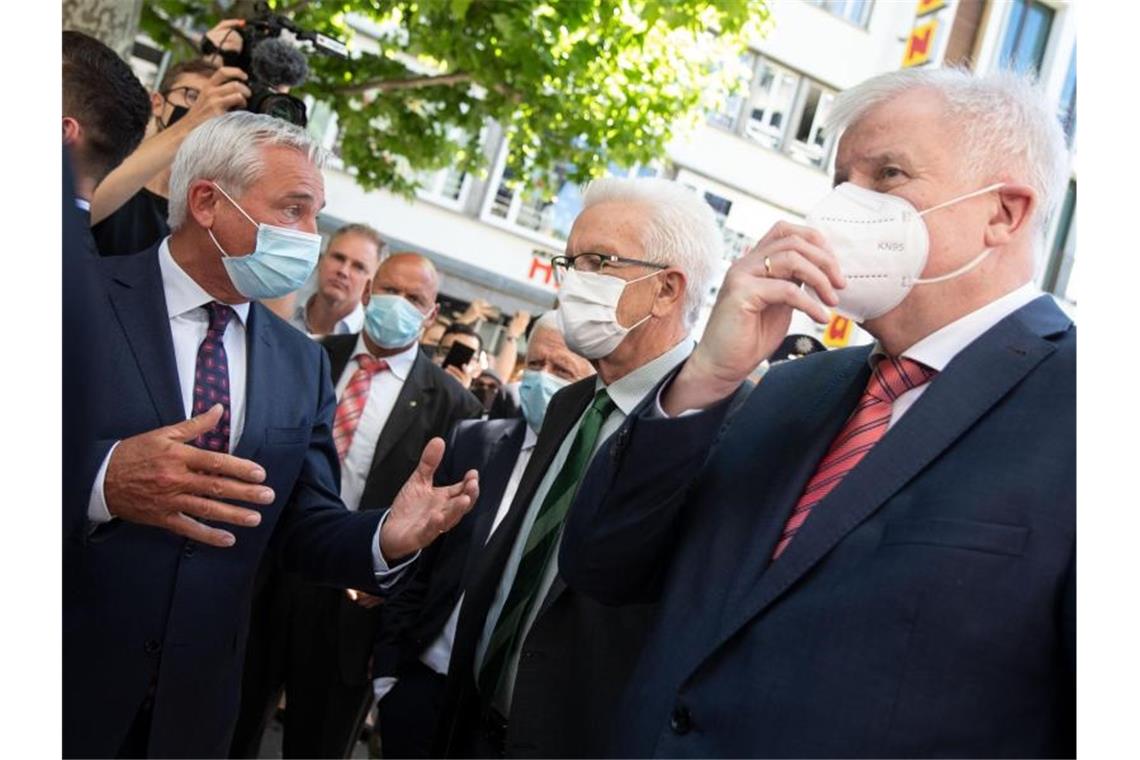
(837, 334)
(929, 6)
(920, 45)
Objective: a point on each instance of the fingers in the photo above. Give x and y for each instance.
(226, 74)
(226, 465)
(216, 511)
(227, 488)
(196, 425)
(456, 489)
(797, 267)
(430, 459)
(196, 531)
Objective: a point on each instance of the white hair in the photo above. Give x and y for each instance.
(228, 150)
(547, 321)
(682, 230)
(1007, 125)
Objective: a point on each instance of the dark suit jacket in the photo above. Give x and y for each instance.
(414, 617)
(577, 654)
(146, 608)
(430, 403)
(926, 608)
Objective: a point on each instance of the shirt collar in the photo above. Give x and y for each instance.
(182, 293)
(937, 349)
(628, 391)
(83, 204)
(399, 364)
(529, 439)
(353, 322)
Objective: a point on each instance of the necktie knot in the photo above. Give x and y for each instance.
(220, 315)
(603, 404)
(370, 363)
(893, 377)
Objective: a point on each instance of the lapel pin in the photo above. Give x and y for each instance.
(412, 404)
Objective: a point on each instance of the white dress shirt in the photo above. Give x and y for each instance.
(438, 654)
(185, 302)
(382, 393)
(937, 349)
(83, 204)
(351, 323)
(189, 321)
(626, 394)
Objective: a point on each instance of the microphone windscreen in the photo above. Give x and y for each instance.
(278, 63)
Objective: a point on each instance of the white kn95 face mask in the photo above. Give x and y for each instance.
(882, 245)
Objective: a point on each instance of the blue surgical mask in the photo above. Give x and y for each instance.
(281, 262)
(535, 391)
(392, 321)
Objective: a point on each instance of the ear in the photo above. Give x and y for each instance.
(202, 202)
(672, 292)
(157, 104)
(72, 131)
(366, 295)
(432, 315)
(1016, 206)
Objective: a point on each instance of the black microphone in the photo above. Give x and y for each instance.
(277, 63)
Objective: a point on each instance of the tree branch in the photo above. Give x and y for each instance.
(413, 83)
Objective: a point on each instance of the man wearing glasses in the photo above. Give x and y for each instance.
(128, 213)
(536, 668)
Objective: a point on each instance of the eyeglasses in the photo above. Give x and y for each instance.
(596, 262)
(189, 94)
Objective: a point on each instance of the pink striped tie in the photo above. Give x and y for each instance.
(867, 424)
(352, 401)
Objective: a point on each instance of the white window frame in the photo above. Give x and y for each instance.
(861, 23)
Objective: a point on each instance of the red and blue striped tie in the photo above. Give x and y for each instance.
(867, 424)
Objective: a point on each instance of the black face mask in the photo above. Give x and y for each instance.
(176, 113)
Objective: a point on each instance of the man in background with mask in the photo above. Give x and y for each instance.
(536, 668)
(220, 441)
(313, 641)
(875, 556)
(413, 649)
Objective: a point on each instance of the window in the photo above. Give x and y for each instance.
(773, 95)
(1026, 35)
(446, 186)
(1068, 107)
(785, 111)
(855, 11)
(1058, 275)
(548, 216)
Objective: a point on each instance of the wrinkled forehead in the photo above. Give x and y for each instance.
(613, 227)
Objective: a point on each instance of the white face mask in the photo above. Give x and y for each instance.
(587, 308)
(882, 245)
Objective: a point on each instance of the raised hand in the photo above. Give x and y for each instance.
(421, 511)
(158, 479)
(225, 91)
(753, 311)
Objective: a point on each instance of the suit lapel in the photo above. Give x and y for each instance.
(415, 398)
(137, 298)
(497, 469)
(980, 376)
(261, 369)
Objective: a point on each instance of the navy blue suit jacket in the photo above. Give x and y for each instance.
(414, 617)
(148, 612)
(926, 608)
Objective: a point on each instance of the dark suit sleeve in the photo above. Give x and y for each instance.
(319, 538)
(622, 527)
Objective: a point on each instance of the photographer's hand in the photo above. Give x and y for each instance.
(225, 36)
(225, 91)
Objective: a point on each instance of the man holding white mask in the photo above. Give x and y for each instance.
(874, 556)
(535, 668)
(310, 640)
(156, 604)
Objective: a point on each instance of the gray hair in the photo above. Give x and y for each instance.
(547, 321)
(682, 230)
(228, 150)
(1006, 122)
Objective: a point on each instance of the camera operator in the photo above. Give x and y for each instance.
(129, 208)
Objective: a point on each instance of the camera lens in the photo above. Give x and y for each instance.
(284, 107)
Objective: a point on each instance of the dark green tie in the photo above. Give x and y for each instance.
(539, 547)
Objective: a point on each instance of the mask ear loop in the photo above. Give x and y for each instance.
(977, 259)
(645, 319)
(231, 200)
